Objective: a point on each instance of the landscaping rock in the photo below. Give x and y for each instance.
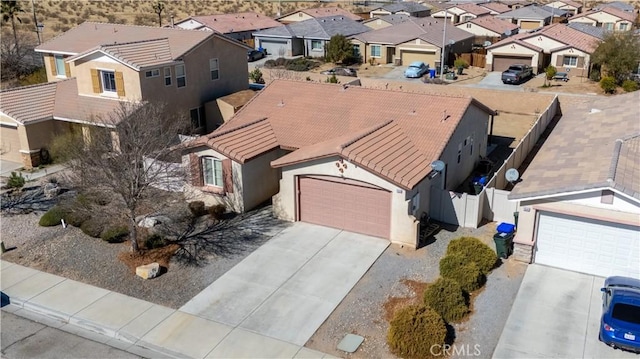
(51, 190)
(148, 271)
(147, 222)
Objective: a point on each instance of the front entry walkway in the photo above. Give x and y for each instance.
(289, 286)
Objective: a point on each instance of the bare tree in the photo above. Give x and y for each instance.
(10, 11)
(158, 8)
(18, 61)
(128, 153)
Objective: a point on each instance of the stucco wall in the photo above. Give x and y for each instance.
(377, 24)
(545, 43)
(403, 226)
(513, 50)
(50, 76)
(10, 144)
(259, 180)
(574, 70)
(295, 17)
(478, 30)
(100, 61)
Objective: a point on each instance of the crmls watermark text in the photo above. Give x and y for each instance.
(458, 350)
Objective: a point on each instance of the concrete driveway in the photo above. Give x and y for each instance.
(289, 286)
(493, 80)
(556, 314)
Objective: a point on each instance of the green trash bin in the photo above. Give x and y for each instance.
(503, 243)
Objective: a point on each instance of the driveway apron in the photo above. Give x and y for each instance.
(289, 286)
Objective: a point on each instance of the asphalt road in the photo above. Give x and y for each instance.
(23, 338)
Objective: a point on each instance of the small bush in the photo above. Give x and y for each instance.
(461, 63)
(595, 75)
(115, 234)
(217, 211)
(256, 76)
(608, 84)
(629, 86)
(76, 217)
(270, 64)
(154, 241)
(475, 251)
(281, 61)
(92, 227)
(197, 208)
(446, 297)
(52, 217)
(332, 80)
(550, 72)
(455, 266)
(415, 330)
(15, 180)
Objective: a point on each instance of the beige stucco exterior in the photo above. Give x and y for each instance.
(583, 60)
(99, 61)
(376, 24)
(601, 19)
(47, 65)
(479, 30)
(514, 49)
(295, 17)
(566, 7)
(389, 53)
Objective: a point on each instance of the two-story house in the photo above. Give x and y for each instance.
(94, 66)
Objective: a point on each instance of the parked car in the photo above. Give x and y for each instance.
(253, 55)
(515, 74)
(340, 71)
(620, 321)
(416, 69)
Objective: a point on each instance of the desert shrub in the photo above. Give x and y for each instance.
(280, 61)
(115, 234)
(474, 251)
(15, 180)
(415, 330)
(197, 208)
(39, 76)
(270, 64)
(455, 266)
(92, 227)
(52, 217)
(608, 84)
(300, 64)
(460, 62)
(331, 79)
(629, 86)
(447, 298)
(76, 216)
(256, 76)
(594, 75)
(217, 211)
(154, 241)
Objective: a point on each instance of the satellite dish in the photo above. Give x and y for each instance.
(507, 33)
(437, 165)
(512, 175)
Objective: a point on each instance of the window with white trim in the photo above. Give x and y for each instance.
(108, 81)
(570, 61)
(212, 171)
(608, 26)
(624, 26)
(376, 51)
(152, 73)
(214, 69)
(60, 68)
(167, 76)
(316, 45)
(468, 25)
(181, 76)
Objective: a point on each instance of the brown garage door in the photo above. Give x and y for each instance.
(501, 63)
(10, 144)
(352, 206)
(428, 58)
(529, 25)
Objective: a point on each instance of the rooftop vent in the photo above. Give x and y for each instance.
(281, 104)
(594, 110)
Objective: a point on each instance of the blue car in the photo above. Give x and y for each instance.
(620, 323)
(416, 69)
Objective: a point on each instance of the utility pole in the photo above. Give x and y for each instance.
(444, 39)
(35, 21)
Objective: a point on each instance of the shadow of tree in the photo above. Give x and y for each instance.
(27, 200)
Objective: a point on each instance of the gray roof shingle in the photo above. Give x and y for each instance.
(527, 12)
(322, 28)
(408, 6)
(588, 29)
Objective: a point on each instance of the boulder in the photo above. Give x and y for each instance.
(147, 222)
(51, 190)
(148, 271)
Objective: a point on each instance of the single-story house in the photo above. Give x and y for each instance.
(344, 165)
(517, 4)
(588, 29)
(461, 13)
(573, 7)
(625, 6)
(489, 27)
(495, 8)
(528, 17)
(312, 13)
(380, 22)
(409, 8)
(413, 40)
(237, 26)
(308, 37)
(609, 18)
(579, 199)
(567, 49)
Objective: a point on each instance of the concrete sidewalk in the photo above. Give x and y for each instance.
(130, 324)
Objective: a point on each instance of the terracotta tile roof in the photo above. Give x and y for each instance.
(494, 24)
(55, 100)
(326, 11)
(623, 15)
(238, 99)
(383, 131)
(473, 9)
(594, 145)
(236, 22)
(137, 54)
(91, 35)
(575, 4)
(572, 37)
(427, 29)
(516, 39)
(495, 6)
(30, 103)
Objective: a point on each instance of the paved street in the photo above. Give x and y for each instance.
(23, 338)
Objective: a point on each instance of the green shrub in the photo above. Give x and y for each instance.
(550, 72)
(197, 208)
(608, 84)
(474, 251)
(455, 266)
(270, 64)
(52, 217)
(629, 86)
(280, 61)
(460, 62)
(332, 80)
(446, 297)
(154, 241)
(217, 211)
(595, 75)
(76, 217)
(92, 227)
(15, 180)
(256, 76)
(415, 330)
(115, 234)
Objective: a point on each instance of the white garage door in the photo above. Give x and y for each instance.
(588, 245)
(274, 47)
